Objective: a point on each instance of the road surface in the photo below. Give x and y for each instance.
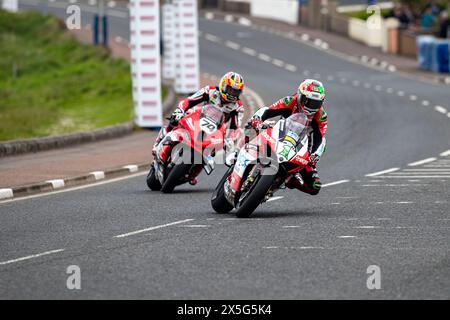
(385, 201)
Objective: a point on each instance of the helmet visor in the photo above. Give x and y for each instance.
(311, 105)
(233, 92)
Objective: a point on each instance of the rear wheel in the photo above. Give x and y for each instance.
(152, 181)
(218, 201)
(176, 177)
(249, 201)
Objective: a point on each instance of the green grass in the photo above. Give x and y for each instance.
(61, 86)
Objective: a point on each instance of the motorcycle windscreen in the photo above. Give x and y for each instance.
(294, 130)
(211, 118)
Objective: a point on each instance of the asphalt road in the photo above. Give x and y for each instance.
(295, 247)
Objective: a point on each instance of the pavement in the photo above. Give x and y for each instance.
(385, 201)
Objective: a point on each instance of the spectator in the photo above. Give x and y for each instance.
(444, 30)
(401, 14)
(435, 10)
(428, 19)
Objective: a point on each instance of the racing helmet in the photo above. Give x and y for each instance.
(311, 95)
(231, 86)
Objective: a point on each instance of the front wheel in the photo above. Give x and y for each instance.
(254, 196)
(152, 181)
(218, 201)
(175, 177)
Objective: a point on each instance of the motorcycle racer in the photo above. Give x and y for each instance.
(308, 100)
(226, 96)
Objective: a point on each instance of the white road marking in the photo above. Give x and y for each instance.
(249, 51)
(346, 237)
(263, 57)
(446, 171)
(211, 37)
(232, 45)
(424, 170)
(229, 18)
(30, 257)
(195, 226)
(273, 247)
(152, 228)
(382, 172)
(275, 198)
(403, 202)
(440, 109)
(305, 37)
(400, 93)
(412, 97)
(6, 193)
(291, 68)
(448, 114)
(415, 177)
(425, 103)
(306, 72)
(334, 183)
(291, 226)
(98, 175)
(445, 153)
(131, 167)
(278, 62)
(378, 88)
(56, 183)
(335, 203)
(366, 227)
(45, 194)
(424, 161)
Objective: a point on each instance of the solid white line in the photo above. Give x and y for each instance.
(30, 257)
(334, 183)
(56, 183)
(381, 172)
(414, 177)
(440, 109)
(74, 188)
(445, 153)
(6, 193)
(418, 163)
(98, 175)
(275, 198)
(132, 168)
(152, 228)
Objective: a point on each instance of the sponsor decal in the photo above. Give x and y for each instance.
(287, 101)
(323, 116)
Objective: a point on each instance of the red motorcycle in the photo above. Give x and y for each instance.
(263, 166)
(187, 149)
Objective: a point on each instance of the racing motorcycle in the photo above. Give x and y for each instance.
(263, 165)
(187, 149)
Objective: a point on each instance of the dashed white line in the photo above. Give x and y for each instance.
(334, 183)
(232, 45)
(379, 173)
(275, 198)
(400, 93)
(33, 256)
(425, 103)
(346, 237)
(278, 62)
(264, 57)
(211, 37)
(291, 68)
(412, 97)
(249, 51)
(440, 109)
(418, 163)
(151, 228)
(445, 153)
(366, 227)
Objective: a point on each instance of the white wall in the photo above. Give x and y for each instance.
(283, 10)
(359, 30)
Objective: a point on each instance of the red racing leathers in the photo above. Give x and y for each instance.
(318, 123)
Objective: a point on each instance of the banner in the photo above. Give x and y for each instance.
(187, 69)
(145, 62)
(10, 5)
(168, 34)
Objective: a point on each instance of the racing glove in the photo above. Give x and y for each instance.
(176, 116)
(313, 160)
